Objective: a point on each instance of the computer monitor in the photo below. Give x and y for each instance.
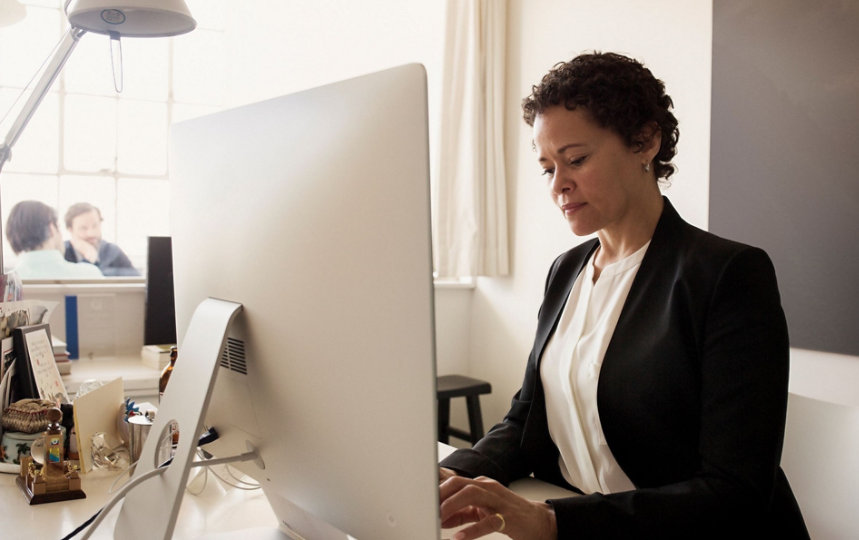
(312, 211)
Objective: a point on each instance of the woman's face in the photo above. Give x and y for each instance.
(87, 227)
(592, 175)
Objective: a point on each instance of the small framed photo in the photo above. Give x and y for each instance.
(35, 368)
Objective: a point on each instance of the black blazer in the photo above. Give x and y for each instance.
(692, 397)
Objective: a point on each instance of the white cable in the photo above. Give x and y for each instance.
(129, 470)
(248, 486)
(240, 484)
(116, 52)
(239, 480)
(119, 495)
(247, 456)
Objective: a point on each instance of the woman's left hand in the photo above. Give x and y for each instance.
(491, 508)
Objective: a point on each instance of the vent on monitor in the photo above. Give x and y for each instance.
(233, 356)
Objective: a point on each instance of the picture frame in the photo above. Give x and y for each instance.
(36, 373)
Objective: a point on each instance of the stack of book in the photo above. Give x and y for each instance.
(61, 355)
(156, 356)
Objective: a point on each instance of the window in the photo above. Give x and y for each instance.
(88, 143)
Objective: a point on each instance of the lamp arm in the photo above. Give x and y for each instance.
(40, 90)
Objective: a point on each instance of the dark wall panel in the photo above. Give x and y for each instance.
(784, 167)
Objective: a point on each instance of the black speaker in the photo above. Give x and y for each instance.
(159, 327)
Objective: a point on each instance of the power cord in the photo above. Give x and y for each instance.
(96, 519)
(100, 515)
(237, 482)
(206, 460)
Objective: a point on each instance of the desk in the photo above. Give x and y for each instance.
(55, 520)
(216, 509)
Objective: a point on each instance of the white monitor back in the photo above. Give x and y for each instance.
(312, 211)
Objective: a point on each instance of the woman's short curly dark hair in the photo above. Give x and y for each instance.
(619, 93)
(29, 225)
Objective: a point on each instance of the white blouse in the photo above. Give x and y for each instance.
(570, 370)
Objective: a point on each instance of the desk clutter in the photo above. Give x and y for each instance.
(49, 446)
(35, 438)
(50, 438)
(46, 475)
(23, 422)
(61, 356)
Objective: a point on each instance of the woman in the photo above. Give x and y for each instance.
(35, 238)
(657, 384)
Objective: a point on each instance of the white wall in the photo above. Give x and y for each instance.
(275, 47)
(452, 327)
(542, 33)
(110, 315)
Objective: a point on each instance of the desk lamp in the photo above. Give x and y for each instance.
(11, 12)
(116, 18)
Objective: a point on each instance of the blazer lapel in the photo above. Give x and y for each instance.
(651, 276)
(570, 264)
(560, 282)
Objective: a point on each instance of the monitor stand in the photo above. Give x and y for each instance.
(150, 509)
(292, 519)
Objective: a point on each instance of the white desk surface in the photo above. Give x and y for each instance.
(217, 509)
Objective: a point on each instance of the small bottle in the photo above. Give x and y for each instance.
(54, 442)
(168, 370)
(162, 385)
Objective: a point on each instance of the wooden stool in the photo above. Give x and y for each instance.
(451, 386)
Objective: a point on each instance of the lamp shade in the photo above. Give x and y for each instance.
(11, 12)
(132, 18)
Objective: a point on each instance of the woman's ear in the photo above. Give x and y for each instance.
(649, 140)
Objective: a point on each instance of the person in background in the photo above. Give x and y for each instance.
(657, 384)
(33, 232)
(83, 221)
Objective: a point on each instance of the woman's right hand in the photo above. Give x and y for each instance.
(482, 506)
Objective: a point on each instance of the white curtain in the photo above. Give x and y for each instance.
(471, 204)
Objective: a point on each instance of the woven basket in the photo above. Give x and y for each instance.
(27, 415)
